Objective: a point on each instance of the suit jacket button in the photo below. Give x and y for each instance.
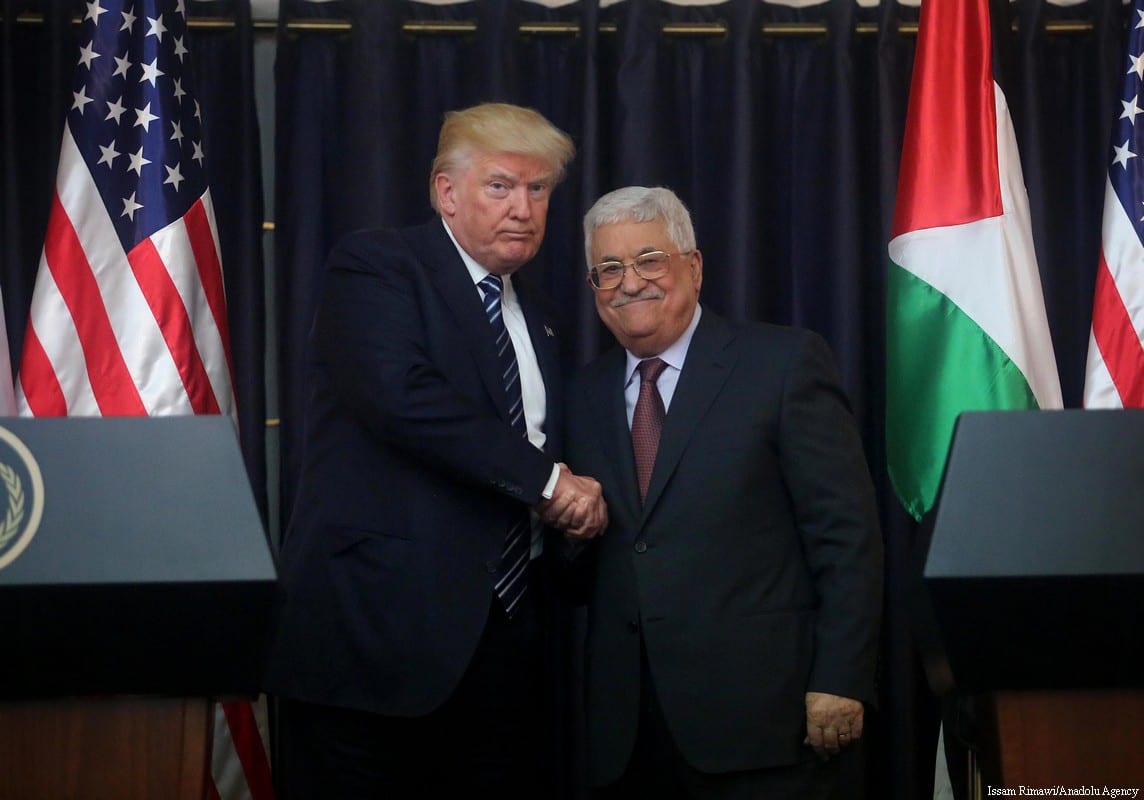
(633, 626)
(641, 547)
(491, 566)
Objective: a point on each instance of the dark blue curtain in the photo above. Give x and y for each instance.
(1064, 90)
(36, 66)
(37, 60)
(782, 133)
(223, 62)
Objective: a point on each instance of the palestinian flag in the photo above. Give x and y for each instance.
(966, 324)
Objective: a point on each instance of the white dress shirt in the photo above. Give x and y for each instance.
(532, 390)
(673, 356)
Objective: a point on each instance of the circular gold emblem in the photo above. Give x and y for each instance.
(22, 490)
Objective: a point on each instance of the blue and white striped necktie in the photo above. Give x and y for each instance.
(512, 578)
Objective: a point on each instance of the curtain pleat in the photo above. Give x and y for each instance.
(223, 64)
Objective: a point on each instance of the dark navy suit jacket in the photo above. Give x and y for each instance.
(411, 475)
(752, 572)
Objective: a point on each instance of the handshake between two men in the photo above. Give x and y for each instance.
(577, 506)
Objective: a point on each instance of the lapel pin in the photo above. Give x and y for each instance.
(548, 331)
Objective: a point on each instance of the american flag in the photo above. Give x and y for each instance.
(128, 312)
(1115, 372)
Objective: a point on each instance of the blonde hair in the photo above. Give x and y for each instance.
(498, 128)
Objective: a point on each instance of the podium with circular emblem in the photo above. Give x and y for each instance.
(136, 584)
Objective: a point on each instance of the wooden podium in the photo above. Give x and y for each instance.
(115, 747)
(1064, 738)
(135, 588)
(1034, 594)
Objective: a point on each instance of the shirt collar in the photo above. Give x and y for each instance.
(476, 271)
(674, 355)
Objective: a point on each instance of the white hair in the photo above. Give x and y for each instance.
(641, 204)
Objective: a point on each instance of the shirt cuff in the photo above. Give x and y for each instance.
(550, 487)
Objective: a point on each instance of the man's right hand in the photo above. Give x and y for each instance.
(577, 506)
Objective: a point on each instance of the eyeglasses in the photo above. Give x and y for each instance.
(649, 266)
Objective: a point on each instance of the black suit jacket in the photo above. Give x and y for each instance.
(753, 570)
(411, 475)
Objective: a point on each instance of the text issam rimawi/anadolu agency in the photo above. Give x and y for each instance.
(1060, 791)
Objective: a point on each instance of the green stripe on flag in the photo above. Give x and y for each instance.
(939, 362)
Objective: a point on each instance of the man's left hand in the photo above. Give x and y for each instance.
(832, 723)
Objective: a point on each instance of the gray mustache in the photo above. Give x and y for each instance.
(648, 293)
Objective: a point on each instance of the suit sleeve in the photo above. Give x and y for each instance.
(833, 496)
(371, 332)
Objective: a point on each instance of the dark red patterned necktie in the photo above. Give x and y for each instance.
(647, 420)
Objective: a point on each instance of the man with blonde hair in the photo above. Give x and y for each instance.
(410, 628)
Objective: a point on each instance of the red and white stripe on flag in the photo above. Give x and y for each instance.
(1115, 371)
(110, 332)
(128, 312)
(238, 762)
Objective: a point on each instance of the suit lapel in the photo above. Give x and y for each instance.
(542, 332)
(610, 425)
(453, 281)
(705, 370)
